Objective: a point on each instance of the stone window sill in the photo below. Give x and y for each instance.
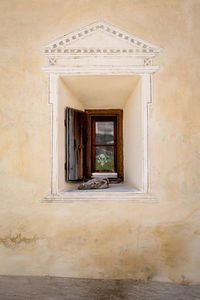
(116, 192)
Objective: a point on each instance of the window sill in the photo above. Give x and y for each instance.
(107, 175)
(119, 192)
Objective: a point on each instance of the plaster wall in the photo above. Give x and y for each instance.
(102, 91)
(133, 139)
(122, 239)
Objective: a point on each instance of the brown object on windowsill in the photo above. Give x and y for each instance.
(95, 183)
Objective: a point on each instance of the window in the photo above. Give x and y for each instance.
(115, 81)
(104, 145)
(94, 144)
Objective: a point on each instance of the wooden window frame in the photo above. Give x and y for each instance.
(90, 115)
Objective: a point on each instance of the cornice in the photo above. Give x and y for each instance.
(108, 70)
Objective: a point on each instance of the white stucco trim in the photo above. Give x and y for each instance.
(53, 100)
(102, 70)
(100, 196)
(114, 65)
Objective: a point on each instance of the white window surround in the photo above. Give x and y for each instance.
(100, 49)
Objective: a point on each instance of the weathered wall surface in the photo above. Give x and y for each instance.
(158, 241)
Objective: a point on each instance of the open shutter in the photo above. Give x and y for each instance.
(74, 121)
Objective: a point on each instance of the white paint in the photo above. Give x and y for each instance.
(103, 195)
(133, 139)
(108, 175)
(146, 99)
(116, 60)
(53, 100)
(101, 92)
(95, 67)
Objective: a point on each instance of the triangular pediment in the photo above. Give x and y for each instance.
(100, 37)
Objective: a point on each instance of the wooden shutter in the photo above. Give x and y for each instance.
(74, 121)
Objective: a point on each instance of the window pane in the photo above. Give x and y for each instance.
(104, 132)
(104, 158)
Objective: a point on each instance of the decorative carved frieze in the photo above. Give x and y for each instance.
(147, 61)
(52, 60)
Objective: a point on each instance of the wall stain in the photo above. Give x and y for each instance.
(13, 241)
(173, 243)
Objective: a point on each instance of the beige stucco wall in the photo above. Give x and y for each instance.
(100, 239)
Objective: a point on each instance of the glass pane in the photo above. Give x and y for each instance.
(104, 132)
(104, 158)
